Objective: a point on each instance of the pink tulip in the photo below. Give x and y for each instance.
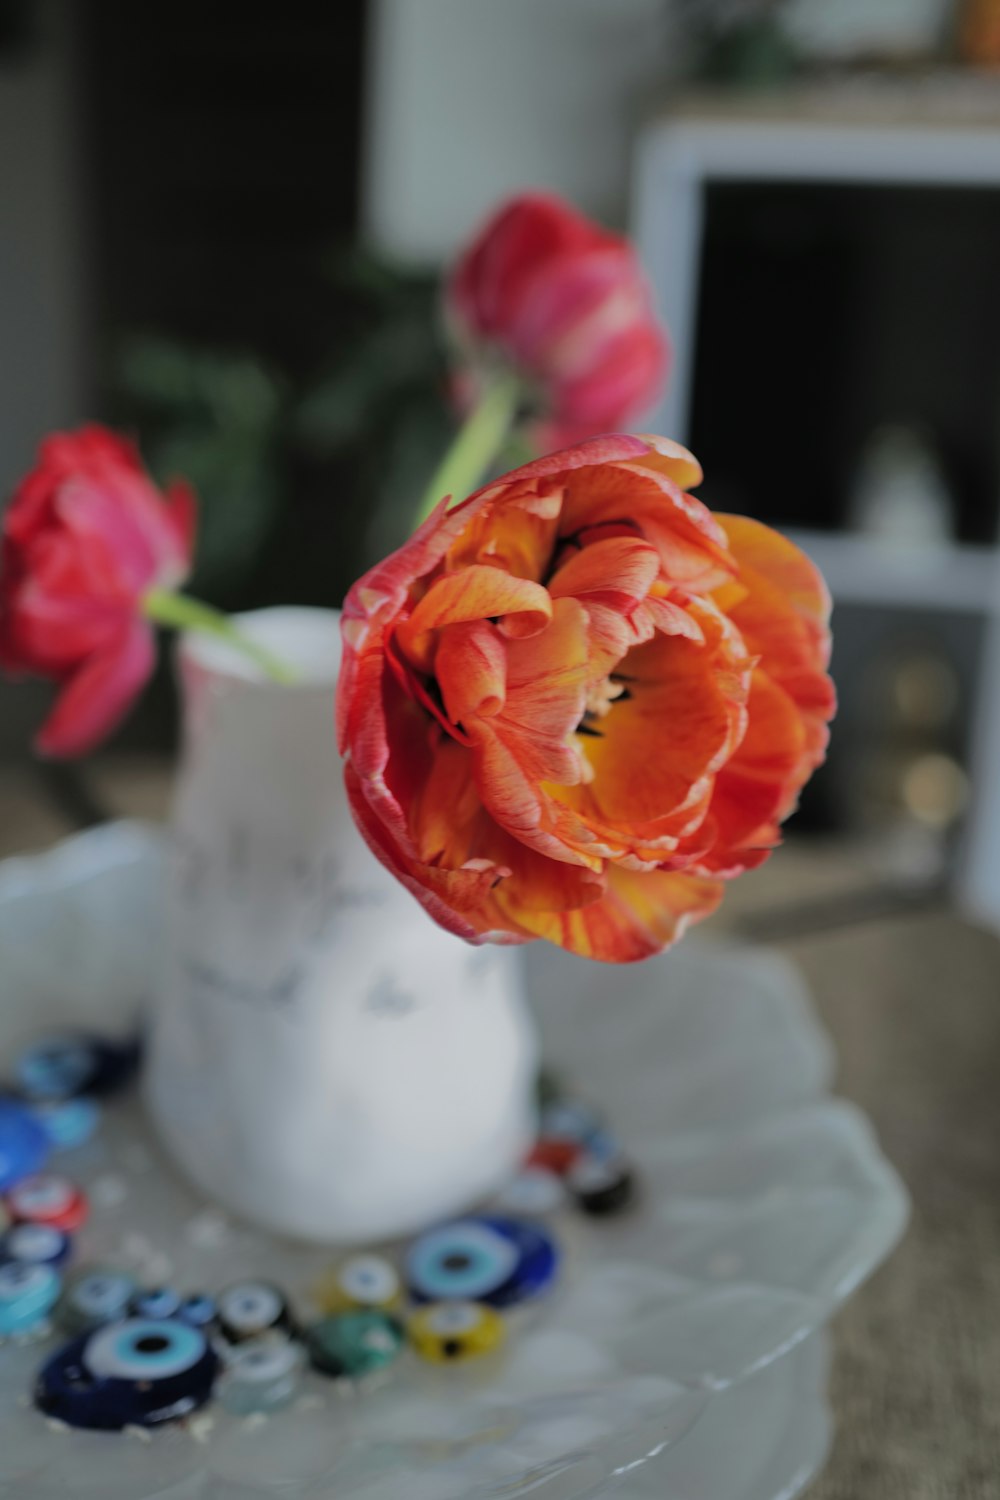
(86, 538)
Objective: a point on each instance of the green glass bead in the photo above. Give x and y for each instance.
(354, 1344)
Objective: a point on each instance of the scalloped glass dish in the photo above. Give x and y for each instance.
(680, 1357)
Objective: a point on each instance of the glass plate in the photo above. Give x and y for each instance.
(675, 1359)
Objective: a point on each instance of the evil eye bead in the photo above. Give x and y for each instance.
(500, 1260)
(36, 1245)
(93, 1296)
(361, 1281)
(160, 1302)
(47, 1198)
(24, 1144)
(555, 1154)
(135, 1372)
(74, 1063)
(453, 1332)
(200, 1310)
(602, 1184)
(250, 1308)
(68, 1123)
(535, 1190)
(569, 1120)
(28, 1293)
(354, 1344)
(262, 1375)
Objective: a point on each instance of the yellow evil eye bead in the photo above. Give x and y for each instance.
(360, 1282)
(447, 1333)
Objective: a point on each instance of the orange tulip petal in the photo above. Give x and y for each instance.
(683, 719)
(471, 669)
(521, 608)
(691, 546)
(639, 915)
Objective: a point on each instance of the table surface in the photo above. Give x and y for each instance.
(911, 999)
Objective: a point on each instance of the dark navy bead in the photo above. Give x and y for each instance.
(494, 1259)
(24, 1145)
(36, 1245)
(139, 1372)
(602, 1186)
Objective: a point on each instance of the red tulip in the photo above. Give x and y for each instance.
(563, 303)
(85, 538)
(576, 704)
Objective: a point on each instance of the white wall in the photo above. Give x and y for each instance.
(40, 245)
(470, 100)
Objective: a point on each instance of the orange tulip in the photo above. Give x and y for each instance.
(575, 705)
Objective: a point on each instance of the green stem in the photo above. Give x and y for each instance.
(475, 446)
(183, 613)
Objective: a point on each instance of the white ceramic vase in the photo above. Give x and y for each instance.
(324, 1060)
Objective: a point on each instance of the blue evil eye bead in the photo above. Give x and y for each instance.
(138, 1372)
(569, 1120)
(74, 1063)
(535, 1190)
(250, 1308)
(200, 1310)
(36, 1245)
(354, 1344)
(24, 1145)
(360, 1281)
(262, 1375)
(602, 1184)
(47, 1198)
(94, 1295)
(447, 1333)
(160, 1302)
(493, 1259)
(68, 1123)
(28, 1293)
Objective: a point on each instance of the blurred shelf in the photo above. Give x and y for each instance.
(865, 570)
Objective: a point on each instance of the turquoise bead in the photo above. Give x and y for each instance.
(28, 1294)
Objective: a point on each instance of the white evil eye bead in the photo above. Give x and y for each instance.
(602, 1185)
(136, 1372)
(360, 1281)
(535, 1190)
(159, 1302)
(261, 1375)
(354, 1344)
(93, 1296)
(200, 1310)
(47, 1198)
(36, 1244)
(497, 1259)
(28, 1294)
(453, 1332)
(250, 1308)
(68, 1122)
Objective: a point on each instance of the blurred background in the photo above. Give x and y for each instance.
(227, 238)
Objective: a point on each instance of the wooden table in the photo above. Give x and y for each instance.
(912, 1001)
